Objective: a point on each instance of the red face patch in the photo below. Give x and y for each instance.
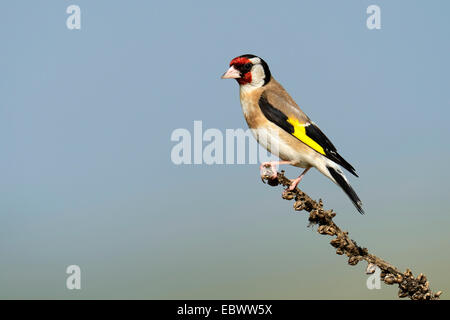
(238, 63)
(246, 78)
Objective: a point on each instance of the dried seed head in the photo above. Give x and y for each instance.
(417, 296)
(313, 214)
(404, 285)
(389, 279)
(322, 229)
(408, 273)
(335, 242)
(320, 203)
(419, 277)
(288, 195)
(423, 279)
(402, 294)
(299, 205)
(353, 260)
(339, 251)
(438, 294)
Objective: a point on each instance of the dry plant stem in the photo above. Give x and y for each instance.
(409, 286)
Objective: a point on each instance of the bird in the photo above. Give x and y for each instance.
(280, 126)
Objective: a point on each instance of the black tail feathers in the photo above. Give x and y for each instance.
(342, 162)
(342, 182)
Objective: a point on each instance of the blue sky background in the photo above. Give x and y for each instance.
(85, 123)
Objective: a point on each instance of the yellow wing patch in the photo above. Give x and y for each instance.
(300, 133)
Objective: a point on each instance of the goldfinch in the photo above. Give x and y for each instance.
(277, 121)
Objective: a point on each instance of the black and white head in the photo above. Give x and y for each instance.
(249, 71)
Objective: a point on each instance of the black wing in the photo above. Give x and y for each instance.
(308, 133)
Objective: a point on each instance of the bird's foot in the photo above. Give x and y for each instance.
(268, 170)
(294, 183)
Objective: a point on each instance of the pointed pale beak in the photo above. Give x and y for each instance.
(231, 73)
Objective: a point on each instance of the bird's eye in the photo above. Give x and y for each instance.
(247, 67)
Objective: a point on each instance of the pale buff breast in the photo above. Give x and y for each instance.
(270, 136)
